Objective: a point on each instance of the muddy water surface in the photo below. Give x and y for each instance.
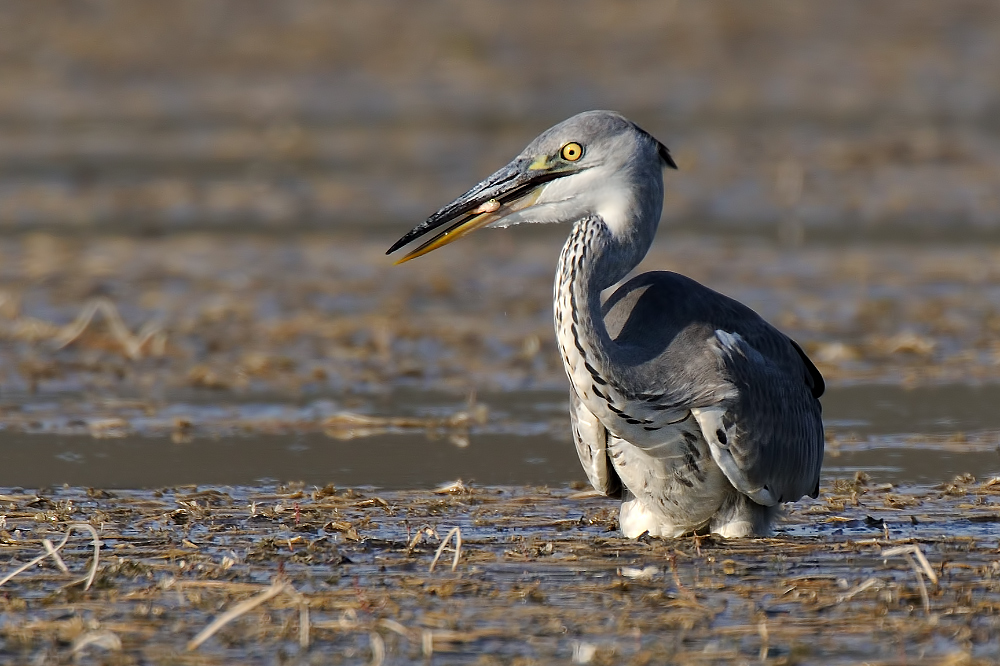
(271, 418)
(921, 435)
(136, 363)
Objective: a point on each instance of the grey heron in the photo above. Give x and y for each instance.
(685, 404)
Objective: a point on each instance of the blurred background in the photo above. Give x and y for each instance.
(856, 118)
(195, 200)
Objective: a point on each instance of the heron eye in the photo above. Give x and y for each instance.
(571, 152)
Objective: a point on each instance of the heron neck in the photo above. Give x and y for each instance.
(591, 260)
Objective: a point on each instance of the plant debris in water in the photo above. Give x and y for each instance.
(220, 575)
(197, 315)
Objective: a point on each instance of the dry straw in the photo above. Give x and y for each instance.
(53, 552)
(276, 588)
(454, 532)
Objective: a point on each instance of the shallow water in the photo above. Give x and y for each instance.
(262, 347)
(542, 576)
(923, 435)
(303, 396)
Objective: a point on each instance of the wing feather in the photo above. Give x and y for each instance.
(752, 390)
(768, 440)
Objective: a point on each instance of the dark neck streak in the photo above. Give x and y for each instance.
(578, 300)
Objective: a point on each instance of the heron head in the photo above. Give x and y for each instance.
(596, 162)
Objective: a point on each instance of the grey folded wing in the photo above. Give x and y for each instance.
(767, 436)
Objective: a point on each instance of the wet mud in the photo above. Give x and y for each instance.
(260, 421)
(869, 572)
(194, 317)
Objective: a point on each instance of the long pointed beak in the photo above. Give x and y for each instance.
(512, 188)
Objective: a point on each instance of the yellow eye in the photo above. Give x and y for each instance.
(571, 152)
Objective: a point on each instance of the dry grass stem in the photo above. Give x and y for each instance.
(424, 532)
(920, 583)
(276, 588)
(909, 552)
(131, 344)
(349, 425)
(107, 640)
(916, 552)
(636, 573)
(396, 628)
(858, 589)
(304, 624)
(89, 578)
(22, 568)
(451, 488)
(457, 533)
(583, 652)
(378, 649)
(764, 640)
(53, 552)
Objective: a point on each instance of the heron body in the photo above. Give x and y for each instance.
(685, 404)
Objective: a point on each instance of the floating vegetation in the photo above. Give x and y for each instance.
(346, 425)
(251, 575)
(346, 321)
